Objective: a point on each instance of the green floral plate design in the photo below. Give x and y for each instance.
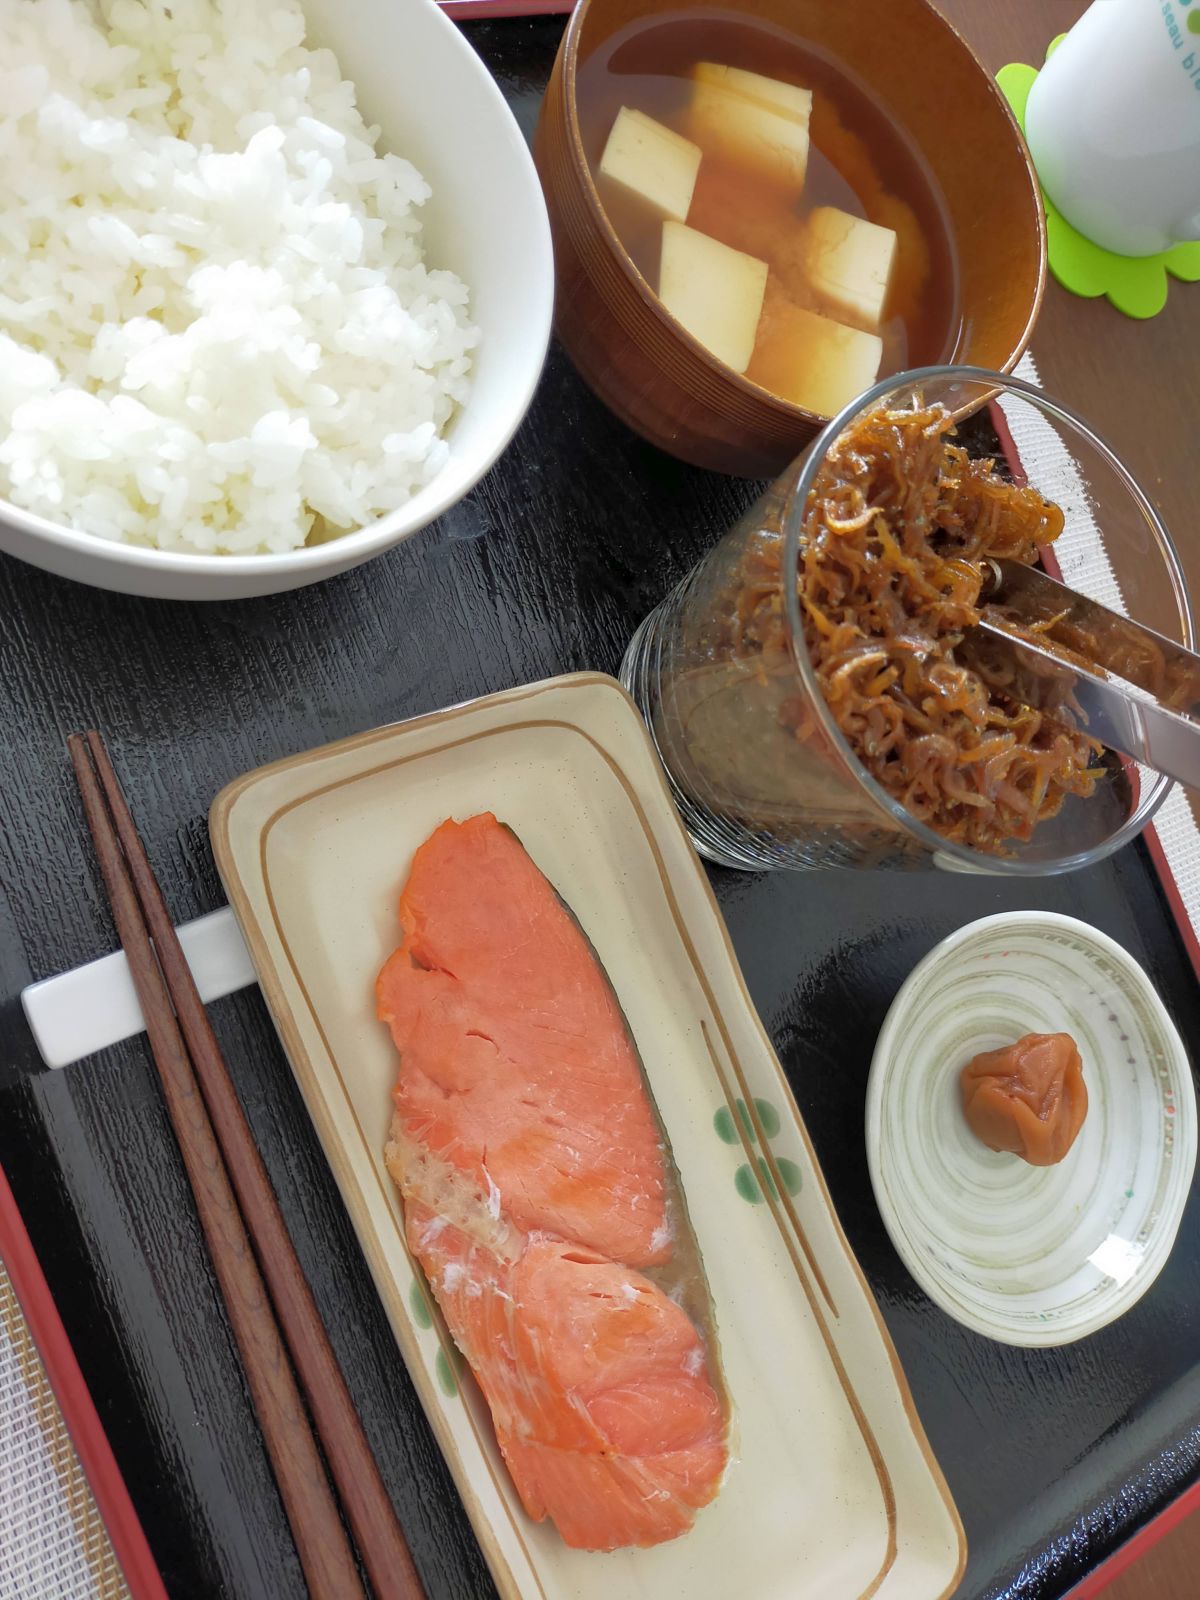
(1136, 285)
(449, 1361)
(752, 1181)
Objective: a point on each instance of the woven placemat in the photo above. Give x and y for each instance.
(53, 1542)
(1174, 837)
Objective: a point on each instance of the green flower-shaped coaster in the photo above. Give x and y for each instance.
(1136, 285)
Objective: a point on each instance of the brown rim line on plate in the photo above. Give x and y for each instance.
(831, 1468)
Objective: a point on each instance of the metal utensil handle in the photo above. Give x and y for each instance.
(1123, 717)
(1162, 667)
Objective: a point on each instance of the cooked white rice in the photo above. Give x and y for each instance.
(217, 331)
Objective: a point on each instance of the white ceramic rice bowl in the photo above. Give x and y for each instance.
(437, 105)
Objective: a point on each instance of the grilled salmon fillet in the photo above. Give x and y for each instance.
(537, 1197)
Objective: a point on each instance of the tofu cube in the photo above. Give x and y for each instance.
(651, 161)
(742, 212)
(717, 293)
(786, 98)
(766, 142)
(849, 264)
(811, 360)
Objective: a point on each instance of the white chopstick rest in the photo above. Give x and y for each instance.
(85, 1010)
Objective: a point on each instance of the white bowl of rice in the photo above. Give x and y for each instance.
(264, 310)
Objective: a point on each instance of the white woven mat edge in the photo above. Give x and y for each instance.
(1086, 566)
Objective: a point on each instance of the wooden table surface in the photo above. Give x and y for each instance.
(1136, 382)
(1167, 1572)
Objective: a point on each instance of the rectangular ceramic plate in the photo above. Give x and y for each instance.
(833, 1493)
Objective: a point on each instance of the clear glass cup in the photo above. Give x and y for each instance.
(762, 774)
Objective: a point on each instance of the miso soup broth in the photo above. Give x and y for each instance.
(800, 237)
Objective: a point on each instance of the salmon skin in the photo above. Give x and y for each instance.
(538, 1198)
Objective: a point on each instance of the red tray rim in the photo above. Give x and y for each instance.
(75, 1402)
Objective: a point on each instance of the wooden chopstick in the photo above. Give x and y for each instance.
(325, 1553)
(355, 1472)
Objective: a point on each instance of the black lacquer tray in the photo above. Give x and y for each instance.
(1053, 1457)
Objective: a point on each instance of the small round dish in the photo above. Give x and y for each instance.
(1036, 1256)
